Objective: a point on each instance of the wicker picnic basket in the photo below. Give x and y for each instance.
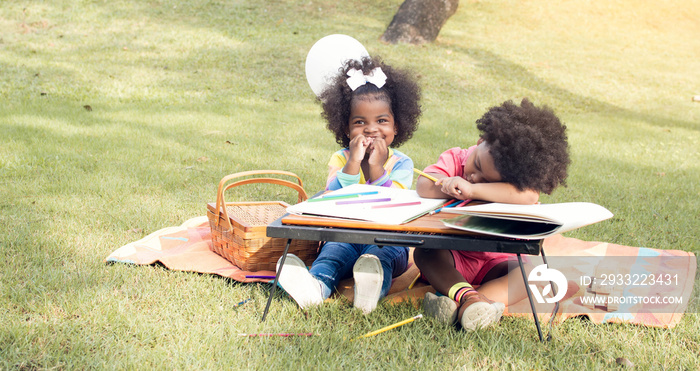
(238, 229)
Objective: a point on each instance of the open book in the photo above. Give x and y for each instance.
(530, 222)
(368, 203)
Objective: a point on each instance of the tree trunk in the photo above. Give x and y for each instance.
(419, 21)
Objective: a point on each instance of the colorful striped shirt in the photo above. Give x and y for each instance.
(398, 171)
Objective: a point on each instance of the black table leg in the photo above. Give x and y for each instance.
(277, 276)
(556, 305)
(529, 297)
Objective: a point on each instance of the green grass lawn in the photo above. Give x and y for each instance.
(119, 118)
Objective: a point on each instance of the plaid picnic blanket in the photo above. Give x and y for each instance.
(187, 248)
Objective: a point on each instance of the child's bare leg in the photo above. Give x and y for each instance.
(438, 267)
(510, 288)
(502, 285)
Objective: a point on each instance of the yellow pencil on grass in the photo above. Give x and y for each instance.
(414, 281)
(434, 179)
(395, 325)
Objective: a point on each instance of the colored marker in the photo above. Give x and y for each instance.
(395, 325)
(425, 175)
(449, 204)
(363, 201)
(463, 203)
(342, 196)
(261, 277)
(396, 205)
(331, 198)
(243, 302)
(350, 194)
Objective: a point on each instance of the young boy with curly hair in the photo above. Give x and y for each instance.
(522, 151)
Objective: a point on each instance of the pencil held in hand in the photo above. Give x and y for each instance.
(434, 179)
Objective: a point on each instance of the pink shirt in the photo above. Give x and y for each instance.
(451, 162)
(472, 265)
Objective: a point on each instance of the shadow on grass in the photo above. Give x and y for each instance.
(501, 69)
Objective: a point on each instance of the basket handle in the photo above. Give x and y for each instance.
(220, 192)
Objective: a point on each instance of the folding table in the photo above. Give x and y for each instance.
(426, 232)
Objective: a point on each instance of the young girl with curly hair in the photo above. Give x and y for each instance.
(371, 108)
(522, 151)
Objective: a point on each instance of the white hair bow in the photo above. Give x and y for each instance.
(357, 78)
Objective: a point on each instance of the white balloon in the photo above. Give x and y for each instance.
(326, 57)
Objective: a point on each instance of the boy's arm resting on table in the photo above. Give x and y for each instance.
(503, 192)
(427, 188)
(492, 192)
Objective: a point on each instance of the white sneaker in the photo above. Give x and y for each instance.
(369, 276)
(296, 280)
(476, 315)
(440, 307)
(479, 312)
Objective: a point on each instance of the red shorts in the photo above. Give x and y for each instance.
(474, 265)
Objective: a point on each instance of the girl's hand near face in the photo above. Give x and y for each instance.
(358, 147)
(378, 152)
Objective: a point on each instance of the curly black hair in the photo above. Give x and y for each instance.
(528, 145)
(400, 91)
